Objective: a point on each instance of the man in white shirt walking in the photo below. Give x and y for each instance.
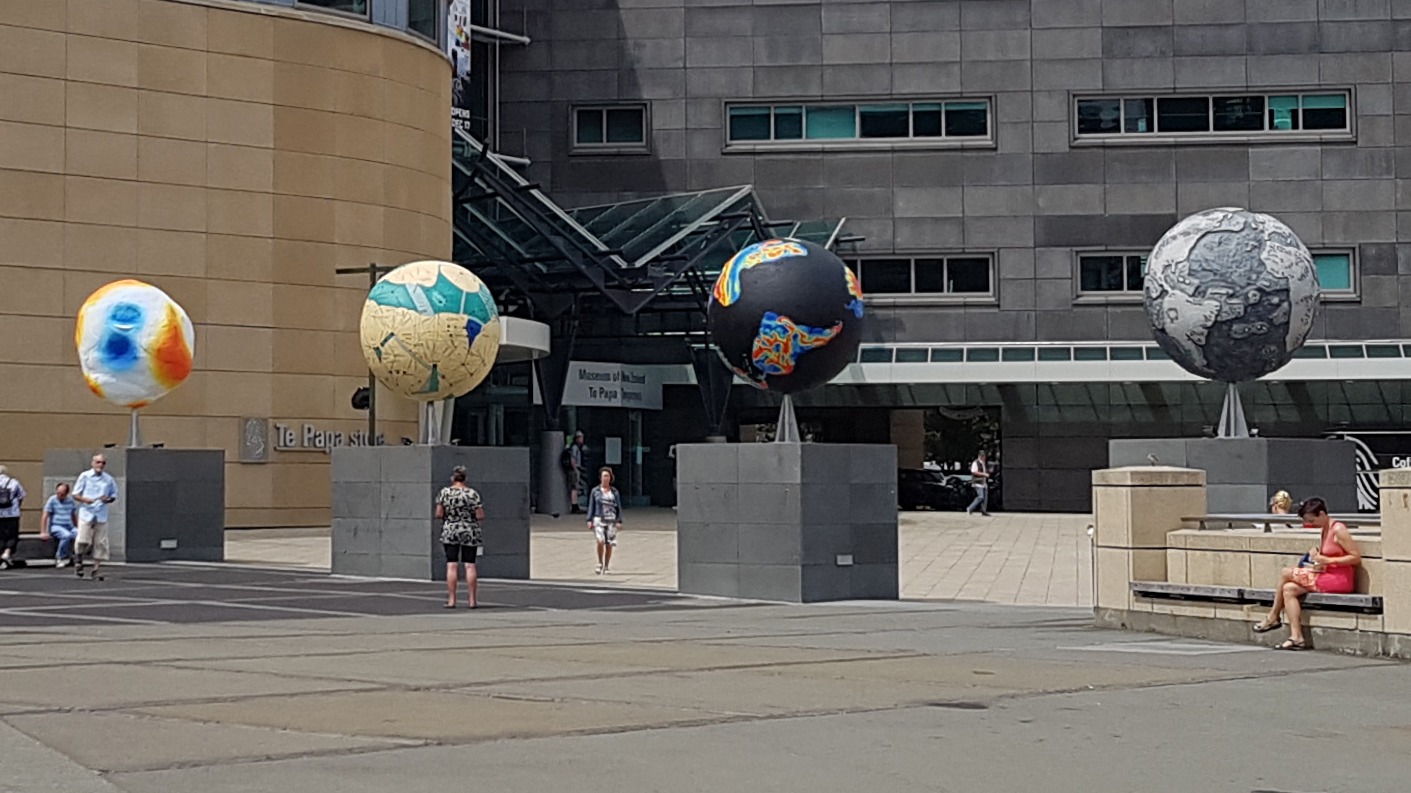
(980, 480)
(94, 490)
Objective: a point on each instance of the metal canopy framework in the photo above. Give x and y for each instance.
(646, 256)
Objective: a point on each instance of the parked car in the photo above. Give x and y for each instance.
(918, 488)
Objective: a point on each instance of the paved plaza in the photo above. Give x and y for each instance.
(228, 678)
(1020, 559)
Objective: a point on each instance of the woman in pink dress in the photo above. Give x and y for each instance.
(1331, 568)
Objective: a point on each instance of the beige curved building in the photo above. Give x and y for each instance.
(233, 155)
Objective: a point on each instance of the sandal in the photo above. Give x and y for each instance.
(1291, 644)
(1266, 626)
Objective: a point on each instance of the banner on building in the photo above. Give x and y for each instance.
(610, 385)
(458, 48)
(1376, 451)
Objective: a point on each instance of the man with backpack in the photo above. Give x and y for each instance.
(572, 462)
(11, 497)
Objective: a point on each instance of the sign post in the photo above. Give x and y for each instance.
(374, 271)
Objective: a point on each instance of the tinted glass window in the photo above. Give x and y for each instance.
(749, 123)
(1283, 113)
(358, 7)
(590, 126)
(1183, 114)
(788, 123)
(1099, 116)
(422, 17)
(1325, 111)
(825, 123)
(884, 121)
(1136, 273)
(1138, 115)
(910, 355)
(967, 119)
(1100, 273)
(982, 354)
(626, 125)
(926, 119)
(1334, 271)
(1239, 113)
(968, 275)
(930, 276)
(886, 276)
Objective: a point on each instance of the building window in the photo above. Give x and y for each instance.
(358, 7)
(960, 277)
(610, 129)
(1337, 274)
(1218, 116)
(423, 17)
(945, 123)
(1108, 273)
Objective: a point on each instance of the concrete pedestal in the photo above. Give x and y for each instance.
(384, 507)
(171, 502)
(1241, 474)
(797, 522)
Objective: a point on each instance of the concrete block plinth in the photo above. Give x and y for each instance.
(797, 522)
(171, 502)
(384, 507)
(1241, 474)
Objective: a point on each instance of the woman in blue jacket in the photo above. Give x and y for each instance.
(605, 517)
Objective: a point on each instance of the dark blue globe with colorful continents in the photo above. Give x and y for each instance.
(786, 315)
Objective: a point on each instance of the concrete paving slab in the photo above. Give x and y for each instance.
(31, 767)
(689, 695)
(989, 671)
(123, 742)
(756, 693)
(423, 667)
(440, 715)
(113, 685)
(677, 655)
(1166, 739)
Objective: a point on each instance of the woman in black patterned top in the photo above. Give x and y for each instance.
(459, 507)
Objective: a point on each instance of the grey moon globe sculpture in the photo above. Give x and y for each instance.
(786, 315)
(1231, 294)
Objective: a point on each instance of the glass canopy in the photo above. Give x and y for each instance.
(513, 235)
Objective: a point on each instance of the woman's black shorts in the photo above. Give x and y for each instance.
(9, 534)
(461, 553)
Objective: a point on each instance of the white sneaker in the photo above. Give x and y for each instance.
(62, 563)
(598, 570)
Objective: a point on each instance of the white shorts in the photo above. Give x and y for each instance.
(604, 531)
(94, 533)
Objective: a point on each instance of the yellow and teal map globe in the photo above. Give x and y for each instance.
(430, 330)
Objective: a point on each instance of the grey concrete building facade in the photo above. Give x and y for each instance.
(1093, 144)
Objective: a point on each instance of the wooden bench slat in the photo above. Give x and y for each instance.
(1317, 601)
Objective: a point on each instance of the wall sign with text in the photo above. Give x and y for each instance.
(258, 437)
(610, 385)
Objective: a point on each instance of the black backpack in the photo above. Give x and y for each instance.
(566, 459)
(7, 494)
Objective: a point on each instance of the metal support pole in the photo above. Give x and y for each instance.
(134, 431)
(787, 430)
(371, 380)
(1232, 421)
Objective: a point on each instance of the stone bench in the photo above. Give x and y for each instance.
(1251, 558)
(1159, 573)
(1313, 601)
(35, 552)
